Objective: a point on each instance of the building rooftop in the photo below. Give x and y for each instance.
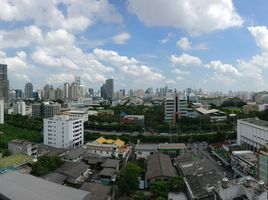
(20, 142)
(97, 191)
(102, 140)
(146, 147)
(111, 163)
(14, 160)
(107, 172)
(195, 167)
(248, 156)
(201, 185)
(73, 169)
(75, 153)
(159, 165)
(256, 122)
(171, 146)
(204, 111)
(55, 177)
(17, 186)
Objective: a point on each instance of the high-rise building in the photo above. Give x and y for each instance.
(175, 107)
(91, 91)
(18, 94)
(2, 111)
(77, 80)
(4, 83)
(73, 91)
(58, 94)
(66, 90)
(19, 108)
(28, 92)
(62, 131)
(107, 90)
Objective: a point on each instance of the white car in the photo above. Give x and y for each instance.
(219, 163)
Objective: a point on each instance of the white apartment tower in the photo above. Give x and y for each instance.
(175, 107)
(2, 111)
(19, 108)
(63, 131)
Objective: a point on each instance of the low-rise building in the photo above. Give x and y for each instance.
(19, 146)
(55, 177)
(200, 177)
(74, 155)
(159, 167)
(111, 163)
(172, 149)
(244, 188)
(97, 191)
(18, 186)
(250, 107)
(76, 172)
(78, 114)
(109, 148)
(243, 163)
(133, 119)
(144, 150)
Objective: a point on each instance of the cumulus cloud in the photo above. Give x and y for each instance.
(79, 14)
(185, 60)
(121, 38)
(260, 34)
(223, 68)
(186, 14)
(184, 44)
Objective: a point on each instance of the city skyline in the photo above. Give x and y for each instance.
(220, 47)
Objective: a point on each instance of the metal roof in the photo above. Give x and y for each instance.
(17, 186)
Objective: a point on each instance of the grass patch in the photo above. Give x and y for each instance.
(14, 160)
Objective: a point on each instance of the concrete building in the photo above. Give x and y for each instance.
(252, 134)
(66, 90)
(19, 146)
(159, 167)
(19, 108)
(45, 110)
(4, 83)
(2, 105)
(17, 186)
(175, 107)
(244, 188)
(145, 150)
(107, 90)
(78, 114)
(28, 91)
(62, 131)
(250, 107)
(243, 162)
(262, 165)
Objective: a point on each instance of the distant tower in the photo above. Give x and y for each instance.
(28, 90)
(4, 83)
(107, 90)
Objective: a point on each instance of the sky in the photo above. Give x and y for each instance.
(208, 44)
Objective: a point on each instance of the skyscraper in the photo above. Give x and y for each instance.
(107, 90)
(4, 83)
(1, 111)
(28, 90)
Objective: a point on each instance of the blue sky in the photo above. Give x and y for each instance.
(209, 44)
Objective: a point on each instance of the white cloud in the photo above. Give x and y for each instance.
(121, 38)
(185, 60)
(166, 39)
(79, 14)
(184, 44)
(196, 17)
(180, 72)
(260, 34)
(112, 57)
(218, 66)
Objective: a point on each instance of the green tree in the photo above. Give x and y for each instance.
(128, 181)
(159, 188)
(176, 184)
(46, 164)
(6, 152)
